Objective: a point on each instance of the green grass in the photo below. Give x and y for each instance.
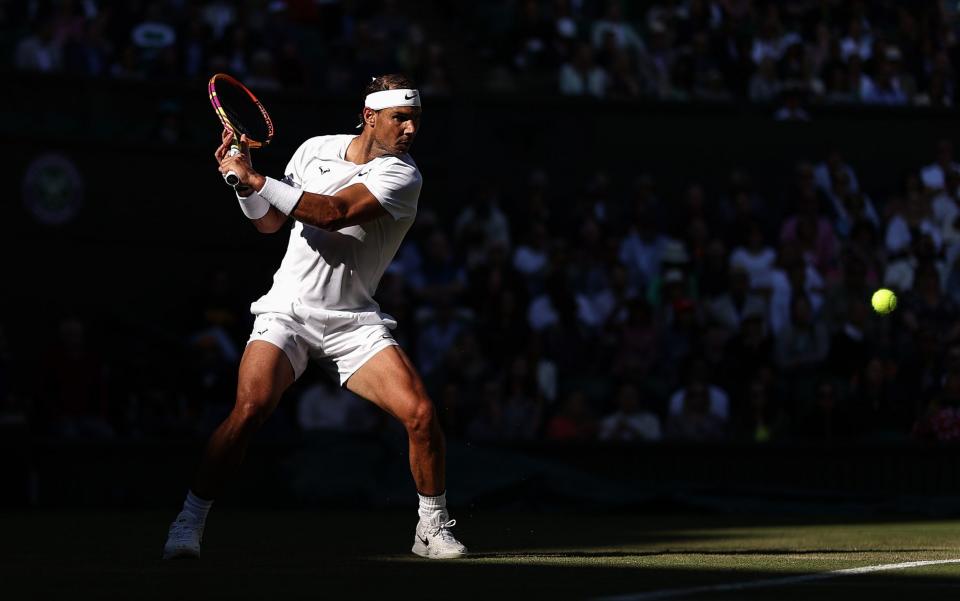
(330, 555)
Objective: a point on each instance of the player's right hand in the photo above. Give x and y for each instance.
(227, 141)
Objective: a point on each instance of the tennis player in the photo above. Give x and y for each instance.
(352, 199)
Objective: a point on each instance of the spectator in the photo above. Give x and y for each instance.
(641, 250)
(581, 76)
(718, 403)
(756, 259)
(802, 346)
(926, 306)
(74, 385)
(791, 104)
(934, 175)
(907, 228)
(440, 276)
(872, 409)
(638, 342)
(481, 225)
(749, 352)
(833, 166)
(612, 26)
(728, 310)
(813, 235)
(858, 41)
(695, 422)
(945, 206)
(764, 85)
(522, 406)
(533, 38)
(692, 50)
(886, 87)
(849, 206)
(38, 51)
(821, 417)
(574, 421)
(853, 344)
(467, 365)
(439, 333)
(769, 41)
(630, 422)
(764, 419)
(531, 256)
(624, 83)
(488, 424)
(326, 406)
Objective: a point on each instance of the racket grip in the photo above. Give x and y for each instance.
(231, 177)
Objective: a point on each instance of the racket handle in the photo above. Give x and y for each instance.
(231, 177)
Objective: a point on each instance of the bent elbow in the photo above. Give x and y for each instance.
(268, 225)
(267, 229)
(336, 219)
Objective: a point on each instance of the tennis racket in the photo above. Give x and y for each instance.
(241, 113)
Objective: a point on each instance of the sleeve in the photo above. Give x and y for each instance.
(397, 186)
(293, 174)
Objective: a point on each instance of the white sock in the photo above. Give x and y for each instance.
(196, 508)
(430, 507)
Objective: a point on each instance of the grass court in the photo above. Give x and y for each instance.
(333, 555)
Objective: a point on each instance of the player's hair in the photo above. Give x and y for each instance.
(390, 81)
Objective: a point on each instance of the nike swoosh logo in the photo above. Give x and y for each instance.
(324, 171)
(263, 330)
(362, 173)
(426, 543)
(414, 95)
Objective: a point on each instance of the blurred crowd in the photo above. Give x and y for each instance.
(608, 309)
(791, 53)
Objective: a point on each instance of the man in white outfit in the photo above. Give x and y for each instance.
(352, 199)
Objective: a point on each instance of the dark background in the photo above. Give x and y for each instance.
(126, 285)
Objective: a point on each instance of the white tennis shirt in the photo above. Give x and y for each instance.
(340, 271)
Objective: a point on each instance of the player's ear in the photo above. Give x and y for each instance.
(369, 116)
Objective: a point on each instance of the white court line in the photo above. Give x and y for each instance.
(739, 586)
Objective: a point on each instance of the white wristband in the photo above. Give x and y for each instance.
(253, 206)
(280, 195)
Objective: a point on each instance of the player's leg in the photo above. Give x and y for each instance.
(390, 380)
(265, 373)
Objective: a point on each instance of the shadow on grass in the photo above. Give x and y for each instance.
(305, 555)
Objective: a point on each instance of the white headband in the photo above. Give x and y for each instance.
(388, 98)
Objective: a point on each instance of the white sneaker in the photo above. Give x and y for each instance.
(183, 540)
(434, 540)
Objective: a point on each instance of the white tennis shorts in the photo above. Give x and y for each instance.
(339, 341)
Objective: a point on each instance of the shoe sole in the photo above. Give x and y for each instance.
(180, 554)
(424, 551)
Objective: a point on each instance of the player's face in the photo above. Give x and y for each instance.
(397, 127)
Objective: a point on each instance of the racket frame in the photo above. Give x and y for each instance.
(230, 177)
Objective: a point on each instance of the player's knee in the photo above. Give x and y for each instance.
(420, 420)
(253, 407)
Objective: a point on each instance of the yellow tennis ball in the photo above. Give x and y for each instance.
(884, 301)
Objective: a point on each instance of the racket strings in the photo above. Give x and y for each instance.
(240, 111)
(235, 120)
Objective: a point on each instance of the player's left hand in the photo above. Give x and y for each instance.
(240, 164)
